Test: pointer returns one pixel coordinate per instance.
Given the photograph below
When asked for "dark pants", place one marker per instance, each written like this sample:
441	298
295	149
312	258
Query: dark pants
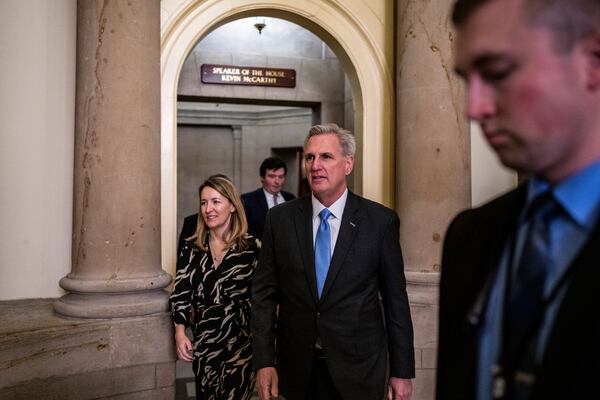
321	385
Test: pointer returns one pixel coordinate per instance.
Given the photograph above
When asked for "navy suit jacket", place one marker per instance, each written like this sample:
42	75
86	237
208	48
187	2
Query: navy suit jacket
189	228
355	334
472	249
256	208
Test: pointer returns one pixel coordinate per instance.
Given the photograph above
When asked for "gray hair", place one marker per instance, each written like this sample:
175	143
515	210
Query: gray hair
345	137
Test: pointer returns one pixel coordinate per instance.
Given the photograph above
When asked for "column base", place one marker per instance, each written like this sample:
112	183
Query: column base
423	287
103	305
423	295
113	298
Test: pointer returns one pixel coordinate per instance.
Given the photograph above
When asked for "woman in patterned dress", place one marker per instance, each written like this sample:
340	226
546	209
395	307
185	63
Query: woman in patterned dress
212	295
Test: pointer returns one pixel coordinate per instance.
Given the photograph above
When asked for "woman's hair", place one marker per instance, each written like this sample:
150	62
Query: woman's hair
238	224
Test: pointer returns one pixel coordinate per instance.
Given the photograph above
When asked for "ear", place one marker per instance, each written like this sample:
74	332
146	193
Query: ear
349	164
592	54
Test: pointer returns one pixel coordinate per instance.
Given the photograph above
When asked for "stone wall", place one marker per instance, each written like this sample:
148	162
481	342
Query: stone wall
319	75
235	138
46	356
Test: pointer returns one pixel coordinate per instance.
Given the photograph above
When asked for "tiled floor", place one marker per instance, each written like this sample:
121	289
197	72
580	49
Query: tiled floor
185	388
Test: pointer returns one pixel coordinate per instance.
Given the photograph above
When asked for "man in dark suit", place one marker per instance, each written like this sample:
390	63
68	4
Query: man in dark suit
326	259
257	203
519	296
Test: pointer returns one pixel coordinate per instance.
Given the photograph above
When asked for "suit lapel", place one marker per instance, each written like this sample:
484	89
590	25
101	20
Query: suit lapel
348	228
303	223
481	261
503	226
262	202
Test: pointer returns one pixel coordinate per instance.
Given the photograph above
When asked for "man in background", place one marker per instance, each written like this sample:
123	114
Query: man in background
256	204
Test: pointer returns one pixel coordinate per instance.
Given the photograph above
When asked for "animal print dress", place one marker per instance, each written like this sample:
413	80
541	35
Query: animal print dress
221	302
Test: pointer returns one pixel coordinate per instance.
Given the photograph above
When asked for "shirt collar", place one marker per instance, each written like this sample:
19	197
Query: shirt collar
337	208
270	195
579	194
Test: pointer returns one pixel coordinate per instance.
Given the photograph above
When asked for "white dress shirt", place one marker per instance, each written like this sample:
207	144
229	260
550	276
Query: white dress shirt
270	201
335	221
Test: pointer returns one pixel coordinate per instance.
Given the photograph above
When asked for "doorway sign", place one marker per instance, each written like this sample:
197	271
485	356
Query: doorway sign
248	76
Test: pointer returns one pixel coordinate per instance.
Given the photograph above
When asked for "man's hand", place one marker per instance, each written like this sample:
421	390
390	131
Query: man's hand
267	383
399	389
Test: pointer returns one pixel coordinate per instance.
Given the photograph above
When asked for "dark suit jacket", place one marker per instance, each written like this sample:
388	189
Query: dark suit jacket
348	318
472	248
189	228
256	207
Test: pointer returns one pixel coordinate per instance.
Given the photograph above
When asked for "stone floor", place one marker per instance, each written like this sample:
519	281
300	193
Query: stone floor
185	388
184	381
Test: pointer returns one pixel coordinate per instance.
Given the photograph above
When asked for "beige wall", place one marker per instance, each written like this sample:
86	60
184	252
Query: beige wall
262	131
234	139
202	151
282	44
37	106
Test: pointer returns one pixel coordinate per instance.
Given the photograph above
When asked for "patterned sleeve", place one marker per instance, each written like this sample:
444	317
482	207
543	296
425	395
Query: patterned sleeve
254	244
257	245
183	291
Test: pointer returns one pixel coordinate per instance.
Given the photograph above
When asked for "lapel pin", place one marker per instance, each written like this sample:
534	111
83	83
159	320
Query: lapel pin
353	225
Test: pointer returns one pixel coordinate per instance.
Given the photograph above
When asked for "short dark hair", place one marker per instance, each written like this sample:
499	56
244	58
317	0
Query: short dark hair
569	20
272	163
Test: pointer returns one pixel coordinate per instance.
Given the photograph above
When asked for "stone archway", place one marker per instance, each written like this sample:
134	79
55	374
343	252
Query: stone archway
357	42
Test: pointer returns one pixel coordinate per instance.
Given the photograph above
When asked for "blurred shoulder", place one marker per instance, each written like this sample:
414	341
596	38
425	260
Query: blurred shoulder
287	195
372	208
190	220
497	207
494	214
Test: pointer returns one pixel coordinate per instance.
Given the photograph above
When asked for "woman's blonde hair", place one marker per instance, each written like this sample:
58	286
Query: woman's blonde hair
238	225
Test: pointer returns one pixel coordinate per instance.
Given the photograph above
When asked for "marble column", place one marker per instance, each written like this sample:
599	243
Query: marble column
116	264
433	162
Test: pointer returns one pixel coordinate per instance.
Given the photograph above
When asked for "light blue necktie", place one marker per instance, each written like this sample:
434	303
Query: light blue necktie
322	250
